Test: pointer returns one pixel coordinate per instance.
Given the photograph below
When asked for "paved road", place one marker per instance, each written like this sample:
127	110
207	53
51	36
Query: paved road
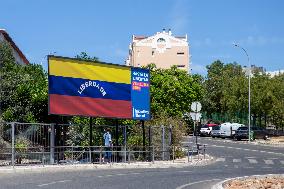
232	159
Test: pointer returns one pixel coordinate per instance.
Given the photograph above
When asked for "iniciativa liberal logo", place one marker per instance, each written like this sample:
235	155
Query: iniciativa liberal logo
94	84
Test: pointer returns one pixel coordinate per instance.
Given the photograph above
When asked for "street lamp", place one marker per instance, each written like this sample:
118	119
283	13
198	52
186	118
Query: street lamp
236	45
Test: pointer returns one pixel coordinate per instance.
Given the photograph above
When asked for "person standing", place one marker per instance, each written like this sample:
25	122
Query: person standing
108	145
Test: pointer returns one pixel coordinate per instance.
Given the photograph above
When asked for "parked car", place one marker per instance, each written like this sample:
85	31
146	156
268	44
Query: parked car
216	132
206	129
225	130
228	130
257	133
235	127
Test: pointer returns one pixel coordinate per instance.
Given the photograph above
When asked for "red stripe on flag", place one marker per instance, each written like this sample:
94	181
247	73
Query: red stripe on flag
85	106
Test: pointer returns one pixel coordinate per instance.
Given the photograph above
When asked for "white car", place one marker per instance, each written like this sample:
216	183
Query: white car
228	130
207	129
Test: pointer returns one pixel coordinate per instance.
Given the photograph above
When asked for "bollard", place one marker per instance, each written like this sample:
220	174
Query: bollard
204	152
42	156
72	154
191	153
198	151
90	155
13	144
100	154
188	154
129	155
173	154
153	155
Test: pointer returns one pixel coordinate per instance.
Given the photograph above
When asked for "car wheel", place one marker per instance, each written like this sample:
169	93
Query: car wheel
213	136
265	137
238	139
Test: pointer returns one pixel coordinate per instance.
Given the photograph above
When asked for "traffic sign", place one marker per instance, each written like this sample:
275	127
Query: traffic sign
196	106
195	116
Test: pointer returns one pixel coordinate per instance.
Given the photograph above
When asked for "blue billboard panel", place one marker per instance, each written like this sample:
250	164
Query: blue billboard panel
140	93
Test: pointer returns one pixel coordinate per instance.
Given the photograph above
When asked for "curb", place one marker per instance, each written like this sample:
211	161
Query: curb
141	165
219	185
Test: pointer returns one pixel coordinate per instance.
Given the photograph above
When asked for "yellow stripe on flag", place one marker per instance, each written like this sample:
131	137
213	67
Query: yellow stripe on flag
89	70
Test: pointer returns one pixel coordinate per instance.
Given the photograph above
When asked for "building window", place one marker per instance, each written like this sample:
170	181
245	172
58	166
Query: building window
180	66
153	52
161	40
180	53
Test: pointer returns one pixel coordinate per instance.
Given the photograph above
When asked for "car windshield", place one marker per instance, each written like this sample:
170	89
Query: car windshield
216	127
205	126
242	128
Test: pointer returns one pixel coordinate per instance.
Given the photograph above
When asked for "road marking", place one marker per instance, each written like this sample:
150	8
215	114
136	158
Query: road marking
268	161
252	160
189	184
238	148
282	162
266	167
185	171
135	173
55	182
237	160
220	159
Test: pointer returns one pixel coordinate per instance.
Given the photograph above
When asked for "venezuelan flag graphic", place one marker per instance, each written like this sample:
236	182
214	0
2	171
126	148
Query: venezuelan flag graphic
89	88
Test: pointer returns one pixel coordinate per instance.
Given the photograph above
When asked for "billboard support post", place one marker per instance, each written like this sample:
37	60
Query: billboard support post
52	140
116	139
144	138
91	137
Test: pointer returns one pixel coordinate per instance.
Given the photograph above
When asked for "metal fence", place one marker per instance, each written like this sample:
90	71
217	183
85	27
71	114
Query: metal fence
42	144
93	154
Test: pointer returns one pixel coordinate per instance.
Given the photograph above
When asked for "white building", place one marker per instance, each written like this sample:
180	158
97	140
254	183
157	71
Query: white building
19	56
275	73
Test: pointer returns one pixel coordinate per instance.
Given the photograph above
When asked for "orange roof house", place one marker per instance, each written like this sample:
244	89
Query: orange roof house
18	54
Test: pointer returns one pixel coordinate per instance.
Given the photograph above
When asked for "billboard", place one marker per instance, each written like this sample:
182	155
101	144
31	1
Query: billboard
87	88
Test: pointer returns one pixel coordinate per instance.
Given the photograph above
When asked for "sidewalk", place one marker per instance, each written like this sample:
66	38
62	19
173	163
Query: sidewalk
178	163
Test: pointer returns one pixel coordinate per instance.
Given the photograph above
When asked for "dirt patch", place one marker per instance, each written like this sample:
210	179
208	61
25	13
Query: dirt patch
267	182
276	141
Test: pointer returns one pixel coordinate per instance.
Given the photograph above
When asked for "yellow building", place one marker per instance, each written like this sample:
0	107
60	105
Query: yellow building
162	49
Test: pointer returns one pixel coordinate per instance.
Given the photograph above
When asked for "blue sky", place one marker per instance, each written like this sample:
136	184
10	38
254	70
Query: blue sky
104	28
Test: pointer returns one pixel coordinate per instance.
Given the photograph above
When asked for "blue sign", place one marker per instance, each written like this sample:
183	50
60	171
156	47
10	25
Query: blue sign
140	93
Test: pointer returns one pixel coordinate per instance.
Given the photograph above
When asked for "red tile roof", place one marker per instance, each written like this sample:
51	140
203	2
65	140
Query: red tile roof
11	42
139	37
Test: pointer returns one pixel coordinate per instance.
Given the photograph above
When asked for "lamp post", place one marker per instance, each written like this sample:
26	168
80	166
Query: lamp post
236	45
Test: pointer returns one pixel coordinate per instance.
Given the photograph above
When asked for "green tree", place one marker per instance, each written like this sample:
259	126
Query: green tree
85	56
172	91
23	89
